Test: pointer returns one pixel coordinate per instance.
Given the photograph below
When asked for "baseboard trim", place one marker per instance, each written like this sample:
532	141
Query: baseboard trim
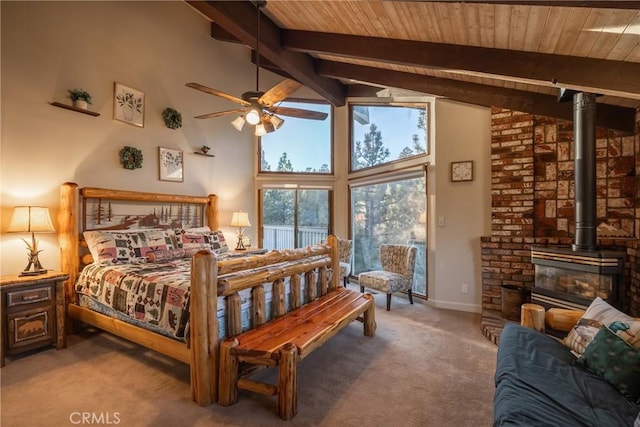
458	306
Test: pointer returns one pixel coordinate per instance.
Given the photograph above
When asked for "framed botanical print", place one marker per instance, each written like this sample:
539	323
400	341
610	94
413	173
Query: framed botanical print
128	105
171	164
462	171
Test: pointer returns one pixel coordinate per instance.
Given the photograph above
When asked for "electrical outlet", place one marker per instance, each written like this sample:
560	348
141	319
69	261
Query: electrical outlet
440	221
465	288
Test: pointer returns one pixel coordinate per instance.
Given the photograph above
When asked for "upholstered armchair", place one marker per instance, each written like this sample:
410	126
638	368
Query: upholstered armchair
398	265
344	252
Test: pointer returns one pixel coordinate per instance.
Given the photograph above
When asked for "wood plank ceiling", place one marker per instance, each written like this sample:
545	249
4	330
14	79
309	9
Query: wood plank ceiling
512	54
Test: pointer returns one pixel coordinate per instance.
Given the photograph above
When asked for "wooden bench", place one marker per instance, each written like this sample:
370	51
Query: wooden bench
284	341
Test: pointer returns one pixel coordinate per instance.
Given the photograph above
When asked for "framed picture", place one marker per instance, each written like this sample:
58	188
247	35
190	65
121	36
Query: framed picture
462	171
128	105
171	164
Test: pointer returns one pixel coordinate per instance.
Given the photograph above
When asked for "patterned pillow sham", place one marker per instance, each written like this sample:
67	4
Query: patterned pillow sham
213	240
599	314
158	257
613	359
166	256
126	247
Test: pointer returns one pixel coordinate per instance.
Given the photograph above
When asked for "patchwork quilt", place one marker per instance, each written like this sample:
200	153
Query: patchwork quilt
158	295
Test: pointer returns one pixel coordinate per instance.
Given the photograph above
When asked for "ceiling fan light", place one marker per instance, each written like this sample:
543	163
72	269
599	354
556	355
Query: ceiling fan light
238	122
260	130
268	125
253	117
277	121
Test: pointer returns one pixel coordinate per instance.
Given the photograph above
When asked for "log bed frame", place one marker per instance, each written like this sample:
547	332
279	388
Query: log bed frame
211	278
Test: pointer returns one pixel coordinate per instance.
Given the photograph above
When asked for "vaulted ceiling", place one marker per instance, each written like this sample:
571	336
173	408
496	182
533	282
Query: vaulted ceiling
512	54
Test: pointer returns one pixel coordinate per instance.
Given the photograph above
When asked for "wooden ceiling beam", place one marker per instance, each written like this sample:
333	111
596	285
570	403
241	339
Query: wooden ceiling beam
616	78
238	19
608	116
598	4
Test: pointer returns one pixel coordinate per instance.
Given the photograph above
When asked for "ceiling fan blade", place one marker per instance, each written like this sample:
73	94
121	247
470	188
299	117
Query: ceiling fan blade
221	113
215	92
279	92
299	113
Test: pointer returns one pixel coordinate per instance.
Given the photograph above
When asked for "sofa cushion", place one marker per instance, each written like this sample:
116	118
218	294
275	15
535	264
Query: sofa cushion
612	358
539	384
598	314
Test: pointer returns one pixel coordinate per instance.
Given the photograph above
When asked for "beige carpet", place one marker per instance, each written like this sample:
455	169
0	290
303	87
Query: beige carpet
425	367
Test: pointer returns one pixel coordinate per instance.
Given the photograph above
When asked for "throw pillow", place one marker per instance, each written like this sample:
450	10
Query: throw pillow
213	240
126	247
612	358
599	314
166	256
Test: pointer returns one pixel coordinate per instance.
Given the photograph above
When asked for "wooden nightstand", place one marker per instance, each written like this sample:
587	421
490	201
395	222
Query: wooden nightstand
33	312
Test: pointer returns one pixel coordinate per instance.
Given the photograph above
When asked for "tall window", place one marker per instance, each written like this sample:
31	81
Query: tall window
294	218
300	145
389	212
385	133
295	214
389	205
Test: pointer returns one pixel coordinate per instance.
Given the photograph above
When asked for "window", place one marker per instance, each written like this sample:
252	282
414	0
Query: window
294	218
300	145
392	211
382	134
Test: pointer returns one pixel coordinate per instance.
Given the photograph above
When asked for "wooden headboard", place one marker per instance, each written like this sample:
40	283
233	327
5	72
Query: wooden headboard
71	218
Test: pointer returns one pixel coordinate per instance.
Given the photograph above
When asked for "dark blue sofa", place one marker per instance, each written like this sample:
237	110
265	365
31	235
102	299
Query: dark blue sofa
537	384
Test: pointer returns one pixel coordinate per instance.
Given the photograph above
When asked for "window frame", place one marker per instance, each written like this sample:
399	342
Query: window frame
296	188
331	143
370	170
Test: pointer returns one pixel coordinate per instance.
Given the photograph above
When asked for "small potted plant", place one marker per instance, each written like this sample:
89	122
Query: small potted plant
80	98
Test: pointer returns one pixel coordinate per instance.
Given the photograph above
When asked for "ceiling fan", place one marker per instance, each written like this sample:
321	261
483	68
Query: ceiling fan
260	108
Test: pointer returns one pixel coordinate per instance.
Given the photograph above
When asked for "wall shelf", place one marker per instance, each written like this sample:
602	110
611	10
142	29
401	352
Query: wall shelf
72	108
203	154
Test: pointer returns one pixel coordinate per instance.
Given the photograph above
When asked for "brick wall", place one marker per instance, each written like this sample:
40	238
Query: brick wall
553	176
532	198
511	173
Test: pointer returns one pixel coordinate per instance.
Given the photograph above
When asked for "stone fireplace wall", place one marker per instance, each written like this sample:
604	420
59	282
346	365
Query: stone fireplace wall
532	199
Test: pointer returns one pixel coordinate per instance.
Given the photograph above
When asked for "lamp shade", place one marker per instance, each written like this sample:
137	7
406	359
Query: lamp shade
260	130
29	219
240	219
238	122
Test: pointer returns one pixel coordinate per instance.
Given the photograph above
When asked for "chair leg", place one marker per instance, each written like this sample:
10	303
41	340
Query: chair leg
362	289
346	281
388	302
410	292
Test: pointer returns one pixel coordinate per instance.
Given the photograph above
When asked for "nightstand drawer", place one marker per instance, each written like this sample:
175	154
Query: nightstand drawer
29	296
31	327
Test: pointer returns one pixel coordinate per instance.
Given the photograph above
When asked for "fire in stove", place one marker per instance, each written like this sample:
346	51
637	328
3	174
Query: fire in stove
567	278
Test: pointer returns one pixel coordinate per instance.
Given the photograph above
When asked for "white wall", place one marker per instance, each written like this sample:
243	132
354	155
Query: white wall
463	132
49	47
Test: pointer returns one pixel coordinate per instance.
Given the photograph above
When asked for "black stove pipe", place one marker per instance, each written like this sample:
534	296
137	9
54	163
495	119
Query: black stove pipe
584	114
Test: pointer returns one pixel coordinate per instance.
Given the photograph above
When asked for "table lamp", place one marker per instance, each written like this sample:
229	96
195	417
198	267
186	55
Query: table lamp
241	220
31	219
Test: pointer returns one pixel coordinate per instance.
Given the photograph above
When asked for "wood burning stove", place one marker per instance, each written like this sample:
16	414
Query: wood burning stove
568	278
573	277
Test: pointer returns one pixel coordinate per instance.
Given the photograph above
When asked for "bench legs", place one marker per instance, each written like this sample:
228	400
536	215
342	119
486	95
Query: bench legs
228	373
287	382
